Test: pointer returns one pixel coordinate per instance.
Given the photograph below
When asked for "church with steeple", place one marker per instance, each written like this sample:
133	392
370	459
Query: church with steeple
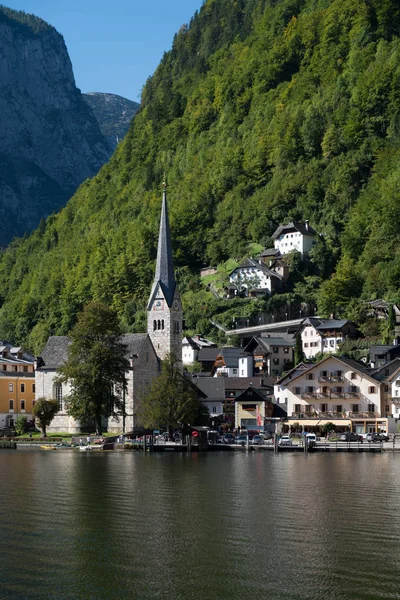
144	350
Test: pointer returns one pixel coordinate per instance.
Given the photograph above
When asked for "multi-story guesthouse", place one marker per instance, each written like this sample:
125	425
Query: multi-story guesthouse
17	384
144	350
335	390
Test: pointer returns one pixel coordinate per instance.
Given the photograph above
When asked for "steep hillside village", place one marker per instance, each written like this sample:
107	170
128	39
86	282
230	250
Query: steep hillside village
292	371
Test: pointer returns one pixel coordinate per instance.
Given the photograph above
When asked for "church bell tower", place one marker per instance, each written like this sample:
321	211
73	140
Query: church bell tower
164	310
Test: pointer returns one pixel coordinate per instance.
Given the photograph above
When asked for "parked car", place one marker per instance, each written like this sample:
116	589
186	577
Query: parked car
350	436
311	439
285	440
258	440
228	438
377	437
241	439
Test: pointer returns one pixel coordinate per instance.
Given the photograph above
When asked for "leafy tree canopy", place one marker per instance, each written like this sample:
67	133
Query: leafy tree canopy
44	411
96	366
172	400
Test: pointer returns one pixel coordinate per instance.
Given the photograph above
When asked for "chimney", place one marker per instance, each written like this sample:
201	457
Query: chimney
331	316
306	224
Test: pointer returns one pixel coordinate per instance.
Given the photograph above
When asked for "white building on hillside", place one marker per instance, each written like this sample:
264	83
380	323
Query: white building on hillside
295	236
253	275
324	335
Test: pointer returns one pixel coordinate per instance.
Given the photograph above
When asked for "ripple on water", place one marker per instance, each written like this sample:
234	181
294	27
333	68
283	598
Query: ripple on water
230	525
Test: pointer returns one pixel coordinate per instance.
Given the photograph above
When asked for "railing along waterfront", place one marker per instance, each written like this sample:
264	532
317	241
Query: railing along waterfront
335	415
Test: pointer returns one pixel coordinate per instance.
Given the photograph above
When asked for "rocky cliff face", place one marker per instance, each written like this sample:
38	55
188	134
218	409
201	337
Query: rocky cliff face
50	140
113	113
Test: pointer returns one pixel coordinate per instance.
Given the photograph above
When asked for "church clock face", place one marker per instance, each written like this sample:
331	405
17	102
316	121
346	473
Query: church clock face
159	305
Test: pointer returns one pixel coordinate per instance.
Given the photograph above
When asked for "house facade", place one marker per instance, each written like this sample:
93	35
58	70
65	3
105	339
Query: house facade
335	390
17	384
191	347
271	355
300	237
324	335
252	275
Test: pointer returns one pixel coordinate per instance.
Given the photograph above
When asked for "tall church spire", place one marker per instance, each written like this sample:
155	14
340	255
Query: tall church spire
164	274
164	310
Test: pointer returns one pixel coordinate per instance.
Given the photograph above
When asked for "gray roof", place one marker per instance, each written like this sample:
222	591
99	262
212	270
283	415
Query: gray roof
294	226
134	342
325	324
164	275
267	342
231	356
213	387
250	263
241	383
207	354
55	352
198	342
270	252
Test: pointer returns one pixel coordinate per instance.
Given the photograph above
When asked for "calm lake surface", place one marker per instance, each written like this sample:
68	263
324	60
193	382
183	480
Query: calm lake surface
209	526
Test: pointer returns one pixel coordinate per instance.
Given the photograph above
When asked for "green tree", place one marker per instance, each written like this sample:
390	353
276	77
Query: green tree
298	350
328	427
194	367
96	366
171	400
44	412
390	326
20	425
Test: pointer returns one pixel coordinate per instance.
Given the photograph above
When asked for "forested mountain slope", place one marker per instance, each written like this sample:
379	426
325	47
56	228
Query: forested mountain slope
262	112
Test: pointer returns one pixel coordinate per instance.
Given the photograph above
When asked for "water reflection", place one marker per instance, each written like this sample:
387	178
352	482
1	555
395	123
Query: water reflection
100	526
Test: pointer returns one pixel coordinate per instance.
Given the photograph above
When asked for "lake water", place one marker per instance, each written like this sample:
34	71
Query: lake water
81	526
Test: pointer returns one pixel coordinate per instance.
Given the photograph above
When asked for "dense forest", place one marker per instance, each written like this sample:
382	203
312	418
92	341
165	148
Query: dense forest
263	111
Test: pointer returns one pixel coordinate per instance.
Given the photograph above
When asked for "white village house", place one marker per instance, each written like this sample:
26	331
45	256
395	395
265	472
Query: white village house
254	275
295	236
324	335
191	347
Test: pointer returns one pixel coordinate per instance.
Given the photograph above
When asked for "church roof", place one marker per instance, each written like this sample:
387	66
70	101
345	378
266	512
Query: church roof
55	352
164	275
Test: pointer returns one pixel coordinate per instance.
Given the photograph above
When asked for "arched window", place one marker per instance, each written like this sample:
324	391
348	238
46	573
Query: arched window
158	324
162	324
57	390
154	325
